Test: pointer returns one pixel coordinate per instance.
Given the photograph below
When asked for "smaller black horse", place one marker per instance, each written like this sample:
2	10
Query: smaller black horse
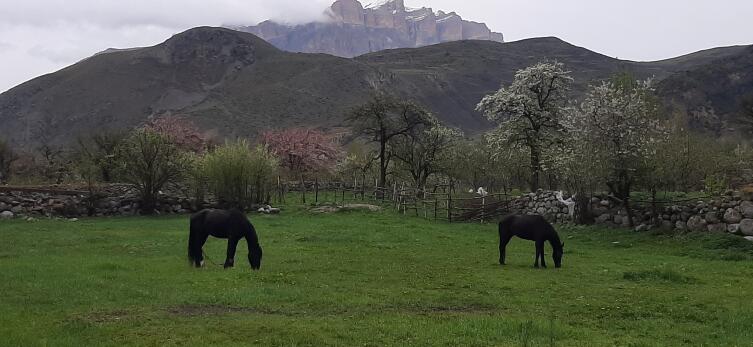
225	224
533	228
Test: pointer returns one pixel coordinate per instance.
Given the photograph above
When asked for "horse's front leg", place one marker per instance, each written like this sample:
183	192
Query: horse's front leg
232	243
539	253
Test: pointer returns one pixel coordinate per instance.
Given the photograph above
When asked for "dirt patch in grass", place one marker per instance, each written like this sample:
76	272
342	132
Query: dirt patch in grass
215	310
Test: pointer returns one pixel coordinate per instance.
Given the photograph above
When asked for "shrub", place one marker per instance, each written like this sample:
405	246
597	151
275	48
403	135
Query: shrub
91	173
239	175
7	157
149	161
99	150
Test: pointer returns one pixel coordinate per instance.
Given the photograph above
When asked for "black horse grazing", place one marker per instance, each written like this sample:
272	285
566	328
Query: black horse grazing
225	224
534	228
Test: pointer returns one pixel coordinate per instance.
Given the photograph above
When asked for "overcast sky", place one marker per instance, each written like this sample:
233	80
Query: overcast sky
42	36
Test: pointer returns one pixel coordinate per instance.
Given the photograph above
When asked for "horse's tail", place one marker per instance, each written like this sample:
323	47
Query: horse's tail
504	225
194	238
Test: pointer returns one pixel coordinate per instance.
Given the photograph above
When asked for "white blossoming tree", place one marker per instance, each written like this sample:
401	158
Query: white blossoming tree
618	119
529	111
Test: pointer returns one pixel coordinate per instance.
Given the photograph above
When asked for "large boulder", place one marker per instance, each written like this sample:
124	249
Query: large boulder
604	218
362	207
712	218
681	226
618	219
733	228
696	223
6	215
746	227
746	207
732	216
717	228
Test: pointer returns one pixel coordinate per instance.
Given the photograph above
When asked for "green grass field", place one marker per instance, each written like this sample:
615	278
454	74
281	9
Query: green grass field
359	279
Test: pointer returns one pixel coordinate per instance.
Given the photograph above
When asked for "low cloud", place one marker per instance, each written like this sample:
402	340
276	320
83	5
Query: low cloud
41	36
167	13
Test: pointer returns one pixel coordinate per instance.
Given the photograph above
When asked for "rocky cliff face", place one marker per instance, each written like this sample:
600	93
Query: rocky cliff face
353	29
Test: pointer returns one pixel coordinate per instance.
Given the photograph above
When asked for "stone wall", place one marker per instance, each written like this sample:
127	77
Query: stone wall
732	213
114	200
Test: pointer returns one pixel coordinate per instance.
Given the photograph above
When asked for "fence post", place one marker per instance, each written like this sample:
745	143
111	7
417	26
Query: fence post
483	208
436	203
303	190
415	202
316	190
423	203
449	207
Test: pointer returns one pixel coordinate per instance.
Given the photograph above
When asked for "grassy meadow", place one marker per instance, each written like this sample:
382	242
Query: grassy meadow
358	279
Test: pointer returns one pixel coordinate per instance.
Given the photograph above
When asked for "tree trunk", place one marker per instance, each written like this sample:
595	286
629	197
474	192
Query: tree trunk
535	169
629	212
303	190
656	219
583	209
382	165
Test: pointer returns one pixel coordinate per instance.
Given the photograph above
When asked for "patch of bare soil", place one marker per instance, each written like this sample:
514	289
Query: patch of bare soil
214	310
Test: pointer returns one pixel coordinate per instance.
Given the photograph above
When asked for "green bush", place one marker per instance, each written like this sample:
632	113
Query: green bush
239	175
149	161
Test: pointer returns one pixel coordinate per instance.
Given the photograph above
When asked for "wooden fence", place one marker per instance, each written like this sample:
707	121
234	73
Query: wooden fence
442	202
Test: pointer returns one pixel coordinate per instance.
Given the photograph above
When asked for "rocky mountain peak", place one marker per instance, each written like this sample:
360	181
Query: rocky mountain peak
354	29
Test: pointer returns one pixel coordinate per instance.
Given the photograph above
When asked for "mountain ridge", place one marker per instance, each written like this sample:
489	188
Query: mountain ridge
236	84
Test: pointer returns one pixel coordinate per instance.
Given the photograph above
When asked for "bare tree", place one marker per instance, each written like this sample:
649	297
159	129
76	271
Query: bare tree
99	150
425	151
383	119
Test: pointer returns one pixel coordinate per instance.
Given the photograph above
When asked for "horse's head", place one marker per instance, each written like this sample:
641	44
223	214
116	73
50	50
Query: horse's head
557	255
254	257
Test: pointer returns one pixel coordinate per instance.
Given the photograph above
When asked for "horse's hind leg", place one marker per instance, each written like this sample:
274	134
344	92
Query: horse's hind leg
503	241
232	243
198	247
540	254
